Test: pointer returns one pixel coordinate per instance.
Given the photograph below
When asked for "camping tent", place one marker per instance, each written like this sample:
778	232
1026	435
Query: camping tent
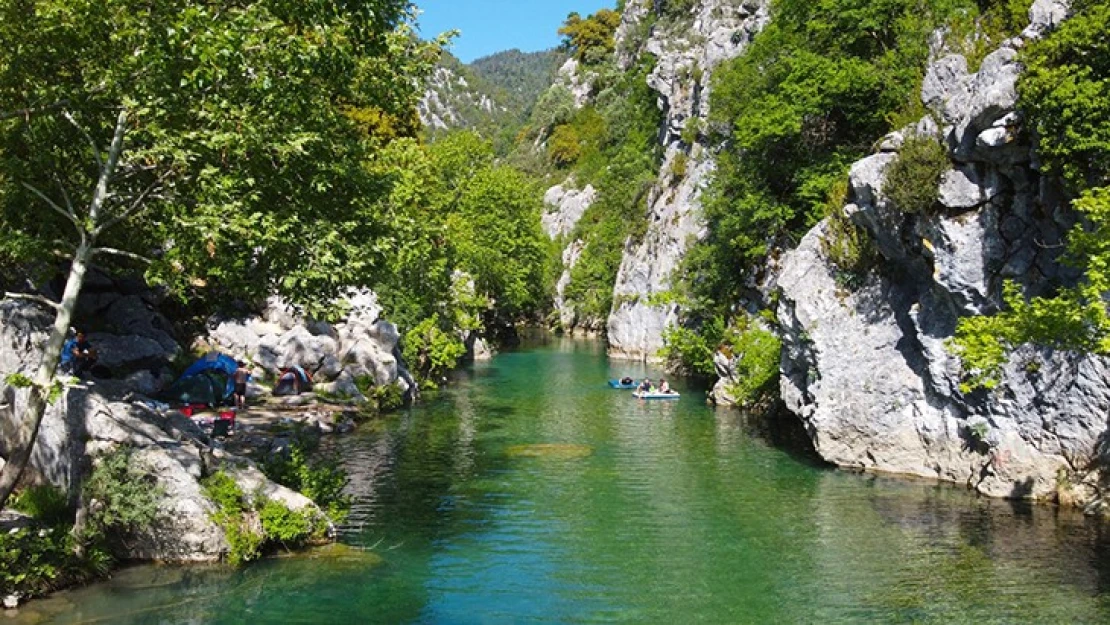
208	381
293	381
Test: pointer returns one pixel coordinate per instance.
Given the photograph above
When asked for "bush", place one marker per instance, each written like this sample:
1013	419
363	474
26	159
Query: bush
37	560
912	181
244	542
127	495
388	398
430	351
848	246
252	527
758	354
691	352
679	167
320	478
47	504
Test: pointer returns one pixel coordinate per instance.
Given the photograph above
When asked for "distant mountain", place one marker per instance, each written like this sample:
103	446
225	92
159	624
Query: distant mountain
492	96
523	76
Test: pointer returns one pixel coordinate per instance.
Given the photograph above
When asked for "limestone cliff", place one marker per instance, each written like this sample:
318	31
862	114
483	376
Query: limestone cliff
687	51
868	371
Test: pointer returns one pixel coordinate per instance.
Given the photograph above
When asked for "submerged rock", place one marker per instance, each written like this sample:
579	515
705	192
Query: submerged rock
550	451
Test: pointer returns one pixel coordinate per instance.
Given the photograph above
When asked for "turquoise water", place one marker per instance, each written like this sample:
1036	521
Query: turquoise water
633	512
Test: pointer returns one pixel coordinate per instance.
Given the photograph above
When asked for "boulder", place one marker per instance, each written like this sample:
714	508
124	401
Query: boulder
129	353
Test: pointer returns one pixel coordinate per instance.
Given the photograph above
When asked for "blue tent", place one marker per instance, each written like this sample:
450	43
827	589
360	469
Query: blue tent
217	363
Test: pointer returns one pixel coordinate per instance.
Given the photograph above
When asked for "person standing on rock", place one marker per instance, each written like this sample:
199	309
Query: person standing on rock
241	377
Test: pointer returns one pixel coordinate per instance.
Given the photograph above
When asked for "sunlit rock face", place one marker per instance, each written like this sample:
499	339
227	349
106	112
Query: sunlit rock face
89	420
687	52
868	370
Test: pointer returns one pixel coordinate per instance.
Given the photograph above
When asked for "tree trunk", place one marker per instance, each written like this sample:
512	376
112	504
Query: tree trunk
28	429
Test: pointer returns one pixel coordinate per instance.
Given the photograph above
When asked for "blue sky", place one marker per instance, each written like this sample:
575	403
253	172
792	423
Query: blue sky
490	26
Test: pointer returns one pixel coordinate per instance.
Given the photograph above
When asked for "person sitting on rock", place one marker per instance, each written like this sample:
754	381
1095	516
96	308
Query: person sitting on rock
84	355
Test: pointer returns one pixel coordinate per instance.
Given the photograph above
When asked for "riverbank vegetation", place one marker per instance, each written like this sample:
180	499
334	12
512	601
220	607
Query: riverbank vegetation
56	547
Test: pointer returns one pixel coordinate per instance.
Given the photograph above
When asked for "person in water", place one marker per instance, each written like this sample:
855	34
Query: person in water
645	386
664	388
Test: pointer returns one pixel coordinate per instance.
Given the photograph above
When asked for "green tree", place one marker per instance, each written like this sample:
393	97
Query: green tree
222	137
590	40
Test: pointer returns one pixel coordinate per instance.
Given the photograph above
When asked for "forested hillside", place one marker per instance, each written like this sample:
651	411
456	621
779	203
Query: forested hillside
491	96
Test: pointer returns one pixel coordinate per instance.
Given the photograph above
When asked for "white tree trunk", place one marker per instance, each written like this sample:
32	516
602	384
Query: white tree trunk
43	382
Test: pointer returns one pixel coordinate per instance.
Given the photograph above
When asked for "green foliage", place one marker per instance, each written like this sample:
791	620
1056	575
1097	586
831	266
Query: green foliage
755	354
912	180
122	500
500	91
563	148
690	351
253	526
430	350
252	117
244	542
46	504
318	477
127	495
590	40
623	164
1074	319
849	246
18	380
291	528
1064	93
37	560
388	398
679	166
756	367
461	214
809	96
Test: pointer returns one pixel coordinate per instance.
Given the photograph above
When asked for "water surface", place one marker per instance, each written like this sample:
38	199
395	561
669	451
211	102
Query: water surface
531	493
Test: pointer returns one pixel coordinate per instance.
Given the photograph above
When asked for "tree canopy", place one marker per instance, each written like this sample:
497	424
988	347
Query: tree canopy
590	40
250	122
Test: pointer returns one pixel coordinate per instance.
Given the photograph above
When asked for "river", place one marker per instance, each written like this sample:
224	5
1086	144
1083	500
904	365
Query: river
531	493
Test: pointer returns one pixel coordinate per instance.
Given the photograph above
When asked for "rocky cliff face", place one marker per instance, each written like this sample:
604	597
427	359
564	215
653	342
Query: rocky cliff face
451	102
564	207
687	52
868	371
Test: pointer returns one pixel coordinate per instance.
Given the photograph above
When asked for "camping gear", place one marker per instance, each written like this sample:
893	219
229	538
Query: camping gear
639	395
207	382
617	384
293	381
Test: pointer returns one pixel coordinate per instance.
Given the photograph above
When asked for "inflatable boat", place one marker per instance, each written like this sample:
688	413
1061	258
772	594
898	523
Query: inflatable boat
639	395
620	385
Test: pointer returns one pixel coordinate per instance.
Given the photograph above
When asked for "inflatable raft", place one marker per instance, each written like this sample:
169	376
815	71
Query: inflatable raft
619	385
639	395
